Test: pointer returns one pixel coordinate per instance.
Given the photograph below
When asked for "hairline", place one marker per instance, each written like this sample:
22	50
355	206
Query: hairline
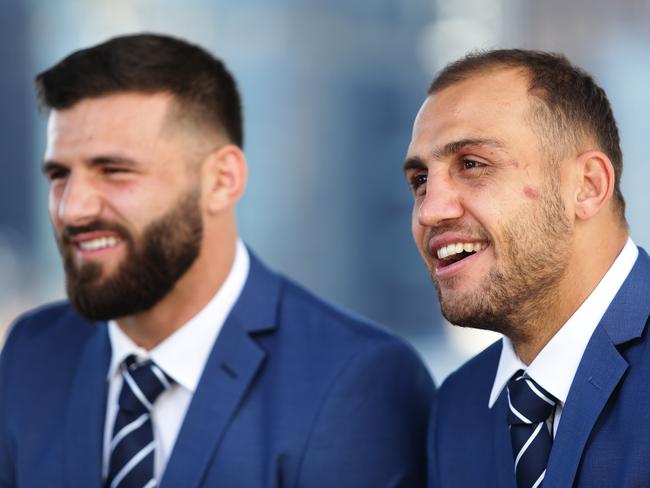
548	127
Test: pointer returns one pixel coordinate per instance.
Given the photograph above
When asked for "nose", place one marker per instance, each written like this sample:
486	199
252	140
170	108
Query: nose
441	203
80	201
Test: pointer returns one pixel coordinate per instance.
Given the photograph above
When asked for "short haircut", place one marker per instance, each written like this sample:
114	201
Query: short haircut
572	106
148	63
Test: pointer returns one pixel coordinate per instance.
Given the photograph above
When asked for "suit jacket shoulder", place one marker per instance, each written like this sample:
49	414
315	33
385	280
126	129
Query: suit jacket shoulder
348	393
46	323
39	365
474	378
601	438
305	315
295	393
461	430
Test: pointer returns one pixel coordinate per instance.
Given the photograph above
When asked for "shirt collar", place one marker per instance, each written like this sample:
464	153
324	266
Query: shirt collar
183	354
557	363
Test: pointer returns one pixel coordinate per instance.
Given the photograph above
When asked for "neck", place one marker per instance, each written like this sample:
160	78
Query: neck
188	297
585	269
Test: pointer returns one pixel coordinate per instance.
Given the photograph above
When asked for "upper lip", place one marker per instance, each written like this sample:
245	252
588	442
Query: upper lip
447	238
88	236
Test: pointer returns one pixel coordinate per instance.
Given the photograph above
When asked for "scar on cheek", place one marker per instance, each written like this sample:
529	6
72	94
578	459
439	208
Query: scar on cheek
531	193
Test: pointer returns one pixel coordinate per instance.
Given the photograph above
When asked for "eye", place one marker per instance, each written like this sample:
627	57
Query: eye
418	182
110	170
56	174
469	164
471	169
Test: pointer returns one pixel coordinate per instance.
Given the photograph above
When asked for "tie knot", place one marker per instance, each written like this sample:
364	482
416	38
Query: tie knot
529	403
143	383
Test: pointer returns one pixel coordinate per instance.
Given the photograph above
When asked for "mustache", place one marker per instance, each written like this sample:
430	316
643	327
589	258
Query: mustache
70	231
461	228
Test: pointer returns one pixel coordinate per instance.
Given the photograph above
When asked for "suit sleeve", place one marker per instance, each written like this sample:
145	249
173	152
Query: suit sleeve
371	430
7	471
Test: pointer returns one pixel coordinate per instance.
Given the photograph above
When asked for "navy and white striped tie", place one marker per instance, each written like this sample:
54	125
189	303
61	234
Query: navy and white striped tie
530	406
132	446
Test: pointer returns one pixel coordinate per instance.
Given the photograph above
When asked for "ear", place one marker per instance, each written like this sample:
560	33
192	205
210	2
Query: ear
224	176
595	187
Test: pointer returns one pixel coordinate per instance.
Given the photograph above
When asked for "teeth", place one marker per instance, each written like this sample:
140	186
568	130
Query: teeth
457	248
99	243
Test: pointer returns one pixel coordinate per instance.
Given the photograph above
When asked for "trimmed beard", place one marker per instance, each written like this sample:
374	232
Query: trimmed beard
153	264
534	253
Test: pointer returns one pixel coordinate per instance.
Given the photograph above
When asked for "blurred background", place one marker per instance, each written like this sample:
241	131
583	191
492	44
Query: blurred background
330	90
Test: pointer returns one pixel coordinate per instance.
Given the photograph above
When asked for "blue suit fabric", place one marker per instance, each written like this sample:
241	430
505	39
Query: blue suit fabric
603	438
295	393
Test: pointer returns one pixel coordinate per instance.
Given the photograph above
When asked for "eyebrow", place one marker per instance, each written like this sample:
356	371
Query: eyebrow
450	149
96	161
456	146
414	163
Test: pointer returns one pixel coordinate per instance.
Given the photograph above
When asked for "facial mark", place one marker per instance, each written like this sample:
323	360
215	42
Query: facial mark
531	192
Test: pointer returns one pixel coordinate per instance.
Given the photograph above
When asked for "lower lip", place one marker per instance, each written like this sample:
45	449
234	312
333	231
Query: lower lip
446	272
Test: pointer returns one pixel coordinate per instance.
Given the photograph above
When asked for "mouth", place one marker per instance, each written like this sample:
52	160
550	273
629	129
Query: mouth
455	252
95	243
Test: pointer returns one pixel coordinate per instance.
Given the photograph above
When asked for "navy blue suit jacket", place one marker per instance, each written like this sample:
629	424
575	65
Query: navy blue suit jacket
294	394
603	438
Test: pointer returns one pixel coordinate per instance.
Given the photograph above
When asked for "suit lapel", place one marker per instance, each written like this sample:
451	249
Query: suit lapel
84	423
503	444
229	371
228	375
601	369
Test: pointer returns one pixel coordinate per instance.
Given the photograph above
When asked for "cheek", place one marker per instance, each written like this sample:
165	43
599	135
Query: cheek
53	203
415	225
417	230
131	202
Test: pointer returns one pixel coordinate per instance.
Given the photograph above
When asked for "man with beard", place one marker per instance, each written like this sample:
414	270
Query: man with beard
515	168
181	361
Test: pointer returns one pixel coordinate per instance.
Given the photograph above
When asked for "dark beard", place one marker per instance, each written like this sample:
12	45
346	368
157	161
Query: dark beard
534	252
151	268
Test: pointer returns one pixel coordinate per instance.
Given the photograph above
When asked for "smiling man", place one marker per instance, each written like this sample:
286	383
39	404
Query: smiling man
180	360
515	169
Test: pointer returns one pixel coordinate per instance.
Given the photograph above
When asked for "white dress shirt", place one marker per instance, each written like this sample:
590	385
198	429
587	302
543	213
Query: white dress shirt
182	356
556	364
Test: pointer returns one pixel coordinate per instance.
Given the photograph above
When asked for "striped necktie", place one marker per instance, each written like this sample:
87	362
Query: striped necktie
530	406
132	445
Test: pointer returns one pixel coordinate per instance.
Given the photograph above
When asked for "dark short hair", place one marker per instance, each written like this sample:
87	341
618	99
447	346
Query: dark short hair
148	63
573	107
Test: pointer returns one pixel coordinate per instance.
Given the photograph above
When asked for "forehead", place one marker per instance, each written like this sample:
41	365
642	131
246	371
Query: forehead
493	105
126	120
